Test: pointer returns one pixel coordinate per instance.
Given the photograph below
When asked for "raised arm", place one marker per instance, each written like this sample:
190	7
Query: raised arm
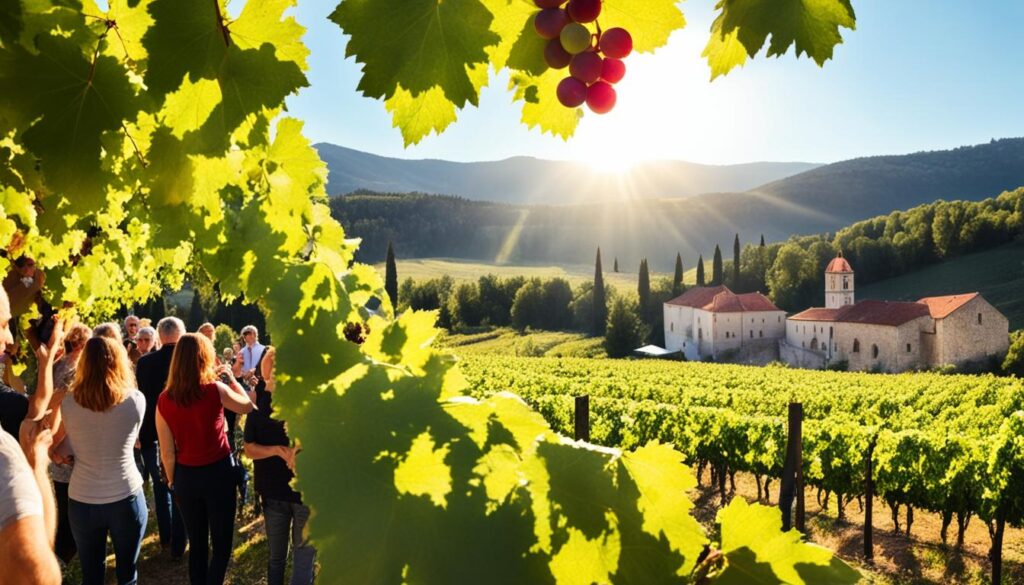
232	396
46	356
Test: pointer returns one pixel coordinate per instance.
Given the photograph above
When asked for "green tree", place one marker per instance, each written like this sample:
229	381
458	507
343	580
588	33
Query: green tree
791	277
625	331
196	315
736	261
677	278
391	276
700	270
643	289
528	306
598	301
464	306
716	268
223	337
497	296
1014	361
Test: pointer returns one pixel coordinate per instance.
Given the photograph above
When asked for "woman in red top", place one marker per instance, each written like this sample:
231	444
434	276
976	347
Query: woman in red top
196	455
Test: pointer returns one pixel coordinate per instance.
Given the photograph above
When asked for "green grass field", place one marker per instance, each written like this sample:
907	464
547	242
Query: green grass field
463	270
510	342
998	274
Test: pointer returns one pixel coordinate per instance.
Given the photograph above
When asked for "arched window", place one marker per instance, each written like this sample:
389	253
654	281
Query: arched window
751	333
846	283
814	343
874	351
979	318
759	333
908	348
700	333
856	346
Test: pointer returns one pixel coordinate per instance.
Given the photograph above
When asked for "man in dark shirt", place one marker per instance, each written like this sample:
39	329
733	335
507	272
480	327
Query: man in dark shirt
151	374
13	408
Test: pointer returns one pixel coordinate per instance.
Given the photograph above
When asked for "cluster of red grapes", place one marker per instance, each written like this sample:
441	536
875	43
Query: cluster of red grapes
594	60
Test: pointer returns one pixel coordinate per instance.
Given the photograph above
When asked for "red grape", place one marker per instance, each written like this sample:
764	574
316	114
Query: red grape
586	67
548	3
600	97
572	92
555	56
613	70
550	22
584	10
616	43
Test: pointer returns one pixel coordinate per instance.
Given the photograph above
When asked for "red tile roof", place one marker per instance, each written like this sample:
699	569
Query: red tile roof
941	307
698	297
838	264
719	299
892	313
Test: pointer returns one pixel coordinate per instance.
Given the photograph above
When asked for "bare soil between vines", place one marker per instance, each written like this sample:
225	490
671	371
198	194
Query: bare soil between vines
919	559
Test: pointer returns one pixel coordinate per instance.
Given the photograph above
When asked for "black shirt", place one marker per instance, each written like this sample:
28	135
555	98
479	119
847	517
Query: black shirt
13	409
272	473
151	374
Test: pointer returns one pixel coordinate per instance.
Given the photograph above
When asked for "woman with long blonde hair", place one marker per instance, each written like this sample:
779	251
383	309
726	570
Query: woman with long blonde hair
102	420
195	452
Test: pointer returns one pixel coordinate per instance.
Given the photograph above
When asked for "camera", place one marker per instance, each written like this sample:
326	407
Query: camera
226	379
45	323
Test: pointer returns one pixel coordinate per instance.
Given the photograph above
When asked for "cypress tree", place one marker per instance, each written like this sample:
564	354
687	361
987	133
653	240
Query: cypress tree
615	267
643	289
677	279
736	261
600	303
391	277
716	267
762	240
700	270
196	316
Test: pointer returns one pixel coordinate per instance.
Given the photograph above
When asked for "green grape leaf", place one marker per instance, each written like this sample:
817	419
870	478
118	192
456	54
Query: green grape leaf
513	20
253	74
758	551
132	20
11	21
812	26
417	44
649	22
541	107
527	53
71	102
663	481
418	116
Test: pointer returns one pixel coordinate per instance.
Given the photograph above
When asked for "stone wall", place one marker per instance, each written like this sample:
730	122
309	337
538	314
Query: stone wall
963	337
800	357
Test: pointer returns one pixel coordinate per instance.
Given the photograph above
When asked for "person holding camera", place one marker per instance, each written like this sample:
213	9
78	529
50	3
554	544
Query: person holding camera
195	453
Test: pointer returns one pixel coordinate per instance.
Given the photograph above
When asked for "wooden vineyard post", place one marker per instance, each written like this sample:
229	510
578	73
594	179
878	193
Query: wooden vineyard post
582	418
869	496
792	484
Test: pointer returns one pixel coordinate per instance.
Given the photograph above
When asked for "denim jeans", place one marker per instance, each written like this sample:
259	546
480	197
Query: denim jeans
281	519
168	518
207	496
64	546
125	521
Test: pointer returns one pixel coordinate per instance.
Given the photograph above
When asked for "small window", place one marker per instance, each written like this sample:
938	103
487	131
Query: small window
751	333
874	351
908	348
780	319
672	327
979	318
814	343
760	333
856	346
700	333
830	332
846	283
802	344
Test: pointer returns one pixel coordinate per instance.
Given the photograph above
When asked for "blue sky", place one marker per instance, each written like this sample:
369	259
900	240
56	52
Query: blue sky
915	75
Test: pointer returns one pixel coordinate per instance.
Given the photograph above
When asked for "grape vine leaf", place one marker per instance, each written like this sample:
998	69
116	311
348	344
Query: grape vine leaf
417	116
513	19
417	44
812	26
10	21
58	89
757	551
540	103
649	22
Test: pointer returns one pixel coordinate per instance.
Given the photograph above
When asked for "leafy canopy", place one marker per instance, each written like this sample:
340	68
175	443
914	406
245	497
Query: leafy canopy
428	58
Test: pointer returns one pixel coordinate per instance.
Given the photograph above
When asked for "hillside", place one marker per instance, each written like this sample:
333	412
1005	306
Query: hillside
532	180
997	274
816	201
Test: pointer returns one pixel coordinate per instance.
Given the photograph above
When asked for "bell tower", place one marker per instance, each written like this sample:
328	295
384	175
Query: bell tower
838	283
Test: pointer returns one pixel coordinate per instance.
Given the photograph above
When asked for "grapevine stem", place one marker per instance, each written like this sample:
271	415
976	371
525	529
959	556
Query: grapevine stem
224	32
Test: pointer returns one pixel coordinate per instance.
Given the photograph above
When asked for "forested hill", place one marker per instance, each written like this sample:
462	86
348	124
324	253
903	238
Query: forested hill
864	187
532	180
431	226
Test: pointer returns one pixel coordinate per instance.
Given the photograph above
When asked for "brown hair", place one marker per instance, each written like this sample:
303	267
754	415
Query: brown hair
104	376
76	337
192	365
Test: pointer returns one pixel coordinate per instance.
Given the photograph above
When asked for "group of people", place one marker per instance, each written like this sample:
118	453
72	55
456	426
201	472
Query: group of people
113	410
